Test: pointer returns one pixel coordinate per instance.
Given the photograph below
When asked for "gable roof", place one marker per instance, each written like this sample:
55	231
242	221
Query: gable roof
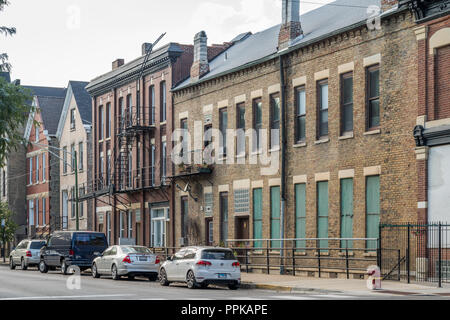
252	49
77	90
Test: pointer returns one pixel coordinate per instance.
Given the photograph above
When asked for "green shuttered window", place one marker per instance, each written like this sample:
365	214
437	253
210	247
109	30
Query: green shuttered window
257	217
275	216
300	214
322	213
347	212
372	210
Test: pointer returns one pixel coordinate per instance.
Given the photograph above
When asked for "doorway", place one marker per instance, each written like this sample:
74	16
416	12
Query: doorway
242	228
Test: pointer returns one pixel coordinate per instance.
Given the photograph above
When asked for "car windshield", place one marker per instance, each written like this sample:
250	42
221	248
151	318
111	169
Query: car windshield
37	245
92	240
218	255
136	250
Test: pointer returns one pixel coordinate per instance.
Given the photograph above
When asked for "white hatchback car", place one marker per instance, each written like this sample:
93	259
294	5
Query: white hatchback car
202	266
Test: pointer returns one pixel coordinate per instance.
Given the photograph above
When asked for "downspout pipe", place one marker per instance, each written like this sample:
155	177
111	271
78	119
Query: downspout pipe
283	162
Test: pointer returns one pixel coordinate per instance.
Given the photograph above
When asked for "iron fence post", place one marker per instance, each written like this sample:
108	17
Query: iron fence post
408	257
346	260
440	255
318	257
399	265
268	259
293	258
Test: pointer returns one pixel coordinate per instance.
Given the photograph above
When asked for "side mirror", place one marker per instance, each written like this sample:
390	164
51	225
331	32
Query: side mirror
170	258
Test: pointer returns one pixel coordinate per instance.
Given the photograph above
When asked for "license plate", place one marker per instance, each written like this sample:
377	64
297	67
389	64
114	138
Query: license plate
222	275
142	259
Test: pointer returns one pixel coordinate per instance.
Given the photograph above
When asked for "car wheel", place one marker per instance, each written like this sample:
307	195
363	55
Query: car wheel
12	266
163	278
191	282
43	267
233	286
23	264
95	273
115	273
64	267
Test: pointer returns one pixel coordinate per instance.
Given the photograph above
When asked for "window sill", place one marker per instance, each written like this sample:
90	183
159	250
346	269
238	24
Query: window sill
277	149
300	254
347	136
323	254
370	254
350	254
240	156
322	141
256	153
300	145
163	123
372	132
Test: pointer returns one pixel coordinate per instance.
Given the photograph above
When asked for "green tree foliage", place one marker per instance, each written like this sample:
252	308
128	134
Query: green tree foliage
7	233
7	31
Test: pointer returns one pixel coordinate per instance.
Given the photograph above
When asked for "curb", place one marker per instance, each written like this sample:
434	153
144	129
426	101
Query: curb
248	285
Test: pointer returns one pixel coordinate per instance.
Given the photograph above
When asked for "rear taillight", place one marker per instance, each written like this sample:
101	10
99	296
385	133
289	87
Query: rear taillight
29	254
157	260
127	259
71	252
236	264
204	263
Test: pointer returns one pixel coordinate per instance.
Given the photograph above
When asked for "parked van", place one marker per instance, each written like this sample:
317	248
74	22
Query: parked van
71	248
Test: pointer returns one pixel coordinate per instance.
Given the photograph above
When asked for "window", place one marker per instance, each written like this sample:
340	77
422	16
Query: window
31	171
73	202
64	160
122	114
108	168
322	99
100	125
130	224
184	155
223	216
347	212
80	156
72	157
158	228
72	119
257	217
300	115
240	126
163	102
36	134
102	165
129	114
108	120
152	104
257	123
130	168
44	167
153	164
322	213
346	103
275	215
31	212
164	162
37	169
300	215
274	121
372	210
44	211
81	193
184	217
37	212
241	201
373	97
223	126
122	224
108	227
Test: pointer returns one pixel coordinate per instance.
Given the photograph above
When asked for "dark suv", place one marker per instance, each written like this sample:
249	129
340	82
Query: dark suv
71	248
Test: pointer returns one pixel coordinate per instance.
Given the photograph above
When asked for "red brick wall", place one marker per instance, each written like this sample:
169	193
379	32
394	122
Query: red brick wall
443	82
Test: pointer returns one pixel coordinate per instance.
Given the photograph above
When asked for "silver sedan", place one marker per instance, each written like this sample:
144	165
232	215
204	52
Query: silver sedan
131	261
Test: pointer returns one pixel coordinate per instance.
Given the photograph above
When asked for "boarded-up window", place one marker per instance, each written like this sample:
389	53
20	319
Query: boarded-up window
275	216
300	214
347	212
322	213
257	217
372	210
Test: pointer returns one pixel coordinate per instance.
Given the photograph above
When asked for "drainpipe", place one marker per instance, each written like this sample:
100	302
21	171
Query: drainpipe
283	162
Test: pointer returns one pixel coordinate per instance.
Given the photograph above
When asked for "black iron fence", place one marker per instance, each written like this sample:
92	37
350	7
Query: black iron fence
415	252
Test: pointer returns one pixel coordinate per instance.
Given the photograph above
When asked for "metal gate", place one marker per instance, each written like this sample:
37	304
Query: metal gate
415	252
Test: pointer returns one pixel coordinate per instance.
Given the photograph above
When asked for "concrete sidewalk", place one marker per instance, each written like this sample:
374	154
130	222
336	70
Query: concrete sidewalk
334	286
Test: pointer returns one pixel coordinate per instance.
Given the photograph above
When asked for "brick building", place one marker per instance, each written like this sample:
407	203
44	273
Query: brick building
74	135
343	93
132	116
42	166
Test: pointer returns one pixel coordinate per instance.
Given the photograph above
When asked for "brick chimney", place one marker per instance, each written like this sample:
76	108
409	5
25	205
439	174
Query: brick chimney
118	63
145	47
200	66
388	4
291	27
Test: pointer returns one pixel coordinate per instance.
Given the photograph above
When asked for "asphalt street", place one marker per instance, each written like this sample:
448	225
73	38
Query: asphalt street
32	285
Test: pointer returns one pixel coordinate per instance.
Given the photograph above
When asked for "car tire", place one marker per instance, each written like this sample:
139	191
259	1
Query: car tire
163	278
95	273
190	280
233	286
43	268
12	265
153	278
23	265
64	267
115	273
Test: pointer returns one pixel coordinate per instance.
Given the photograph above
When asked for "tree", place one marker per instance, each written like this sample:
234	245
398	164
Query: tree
8	231
7	31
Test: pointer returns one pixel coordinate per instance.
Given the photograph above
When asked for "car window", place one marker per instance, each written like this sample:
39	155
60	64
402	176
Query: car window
22	245
179	255
60	239
218	255
190	254
89	239
107	252
135	250
113	251
37	245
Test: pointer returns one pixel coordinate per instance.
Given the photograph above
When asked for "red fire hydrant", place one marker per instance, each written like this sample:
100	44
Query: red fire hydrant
374	281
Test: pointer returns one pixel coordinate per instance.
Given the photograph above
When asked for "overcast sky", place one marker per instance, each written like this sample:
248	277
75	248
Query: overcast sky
62	40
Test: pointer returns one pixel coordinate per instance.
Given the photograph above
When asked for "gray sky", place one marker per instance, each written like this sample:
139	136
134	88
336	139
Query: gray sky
62	40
